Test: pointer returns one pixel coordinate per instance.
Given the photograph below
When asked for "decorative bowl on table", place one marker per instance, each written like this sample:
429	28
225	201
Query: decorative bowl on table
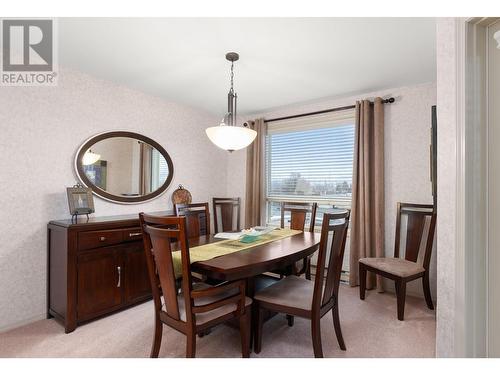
254	234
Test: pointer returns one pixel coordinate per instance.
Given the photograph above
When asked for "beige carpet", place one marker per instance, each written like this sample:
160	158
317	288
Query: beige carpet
370	329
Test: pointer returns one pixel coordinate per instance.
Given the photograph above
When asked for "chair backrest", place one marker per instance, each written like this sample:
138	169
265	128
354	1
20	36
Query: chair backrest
332	246
197	218
298	215
229	209
159	233
417	216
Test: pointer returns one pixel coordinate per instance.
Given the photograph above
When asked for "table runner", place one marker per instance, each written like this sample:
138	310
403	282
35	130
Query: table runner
219	248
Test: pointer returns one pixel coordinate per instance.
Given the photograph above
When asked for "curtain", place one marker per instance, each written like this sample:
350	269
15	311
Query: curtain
145	166
367	215
255	176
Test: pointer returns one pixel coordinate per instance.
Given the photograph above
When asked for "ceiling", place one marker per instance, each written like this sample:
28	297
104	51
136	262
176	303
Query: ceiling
282	60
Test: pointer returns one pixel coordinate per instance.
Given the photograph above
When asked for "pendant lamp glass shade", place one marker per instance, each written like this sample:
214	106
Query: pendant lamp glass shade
90	157
228	135
231	138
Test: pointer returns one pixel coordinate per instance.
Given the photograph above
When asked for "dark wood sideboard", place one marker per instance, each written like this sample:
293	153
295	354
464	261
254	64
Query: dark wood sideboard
95	267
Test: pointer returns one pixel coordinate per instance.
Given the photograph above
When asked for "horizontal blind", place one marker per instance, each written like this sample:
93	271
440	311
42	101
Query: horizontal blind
310	159
159	170
324	120
313	164
163	170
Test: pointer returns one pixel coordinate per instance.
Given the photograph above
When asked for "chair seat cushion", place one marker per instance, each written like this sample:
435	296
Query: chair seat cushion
394	266
292	291
205	317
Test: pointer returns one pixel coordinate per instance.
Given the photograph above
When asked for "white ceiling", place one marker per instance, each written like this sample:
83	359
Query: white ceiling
282	60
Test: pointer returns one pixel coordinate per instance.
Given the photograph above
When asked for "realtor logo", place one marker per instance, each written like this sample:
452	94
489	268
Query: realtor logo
28	53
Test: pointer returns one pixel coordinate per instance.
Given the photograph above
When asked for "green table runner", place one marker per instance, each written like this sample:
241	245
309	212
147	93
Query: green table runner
219	248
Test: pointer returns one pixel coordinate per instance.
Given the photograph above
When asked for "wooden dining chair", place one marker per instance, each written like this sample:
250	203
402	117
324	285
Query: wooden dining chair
310	299
197	218
299	212
230	209
411	267
199	307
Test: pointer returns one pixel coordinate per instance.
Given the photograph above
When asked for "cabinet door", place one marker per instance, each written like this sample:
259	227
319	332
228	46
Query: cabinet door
100	281
136	279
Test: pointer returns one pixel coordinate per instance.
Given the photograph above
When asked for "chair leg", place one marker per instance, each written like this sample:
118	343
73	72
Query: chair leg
245	334
316	337
336	325
259	321
427	291
290	320
191	345
362	281
204	333
401	296
155	348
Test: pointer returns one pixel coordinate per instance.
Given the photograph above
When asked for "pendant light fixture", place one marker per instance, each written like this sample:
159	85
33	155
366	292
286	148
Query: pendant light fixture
90	157
496	36
228	135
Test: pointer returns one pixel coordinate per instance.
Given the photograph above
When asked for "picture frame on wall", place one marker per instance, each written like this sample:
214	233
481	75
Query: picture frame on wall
80	200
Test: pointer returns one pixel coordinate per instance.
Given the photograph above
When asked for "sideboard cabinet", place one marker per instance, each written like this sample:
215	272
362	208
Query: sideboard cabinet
95	267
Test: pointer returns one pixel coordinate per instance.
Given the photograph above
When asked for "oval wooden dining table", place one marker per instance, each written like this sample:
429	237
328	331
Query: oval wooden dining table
250	263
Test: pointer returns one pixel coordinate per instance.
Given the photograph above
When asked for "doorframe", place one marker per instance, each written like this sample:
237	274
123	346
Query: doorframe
471	335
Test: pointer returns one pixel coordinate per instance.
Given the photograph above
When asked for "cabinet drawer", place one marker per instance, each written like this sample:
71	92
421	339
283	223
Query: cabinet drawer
132	234
99	238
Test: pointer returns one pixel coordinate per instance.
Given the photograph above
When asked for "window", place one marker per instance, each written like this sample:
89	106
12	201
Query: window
159	169
310	159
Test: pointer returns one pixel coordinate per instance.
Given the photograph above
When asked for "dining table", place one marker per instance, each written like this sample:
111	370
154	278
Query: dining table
251	263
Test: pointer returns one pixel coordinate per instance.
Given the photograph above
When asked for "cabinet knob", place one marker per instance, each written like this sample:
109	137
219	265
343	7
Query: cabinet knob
102	238
134	234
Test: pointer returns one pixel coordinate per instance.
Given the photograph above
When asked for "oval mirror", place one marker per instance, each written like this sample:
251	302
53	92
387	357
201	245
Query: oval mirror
124	167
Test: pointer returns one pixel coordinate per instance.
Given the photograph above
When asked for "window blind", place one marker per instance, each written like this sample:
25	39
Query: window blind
159	170
308	162
325	120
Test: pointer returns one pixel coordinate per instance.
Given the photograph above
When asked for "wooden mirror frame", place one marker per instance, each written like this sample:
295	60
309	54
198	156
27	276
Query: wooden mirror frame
116	198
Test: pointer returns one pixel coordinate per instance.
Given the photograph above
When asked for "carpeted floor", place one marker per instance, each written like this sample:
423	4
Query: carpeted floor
370	329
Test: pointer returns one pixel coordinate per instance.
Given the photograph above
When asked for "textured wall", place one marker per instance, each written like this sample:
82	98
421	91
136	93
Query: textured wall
447	311
407	140
41	129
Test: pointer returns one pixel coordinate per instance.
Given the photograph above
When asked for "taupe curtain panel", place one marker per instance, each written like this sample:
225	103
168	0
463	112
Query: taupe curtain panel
145	168
255	178
367	215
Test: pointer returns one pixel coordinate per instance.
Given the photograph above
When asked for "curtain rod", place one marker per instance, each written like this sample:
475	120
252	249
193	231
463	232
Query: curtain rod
385	101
